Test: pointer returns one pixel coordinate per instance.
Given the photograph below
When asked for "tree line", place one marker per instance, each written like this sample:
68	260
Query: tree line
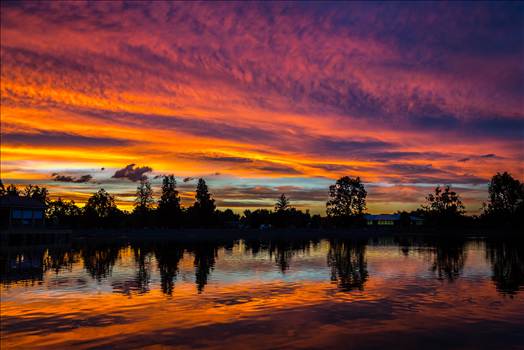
345	207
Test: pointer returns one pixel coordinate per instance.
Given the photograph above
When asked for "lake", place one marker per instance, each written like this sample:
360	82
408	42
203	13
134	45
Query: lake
406	293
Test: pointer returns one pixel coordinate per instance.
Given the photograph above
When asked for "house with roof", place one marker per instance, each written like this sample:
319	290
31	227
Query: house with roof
20	211
391	220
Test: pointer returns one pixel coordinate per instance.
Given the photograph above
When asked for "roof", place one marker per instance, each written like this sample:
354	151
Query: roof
11	201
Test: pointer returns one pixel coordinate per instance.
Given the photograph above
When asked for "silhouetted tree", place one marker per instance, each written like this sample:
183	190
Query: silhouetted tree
11	190
203	209
60	212
101	210
227	218
143	203
36	192
506	200
443	207
506	194
169	204
144	196
347	199
282	203
101	203
256	218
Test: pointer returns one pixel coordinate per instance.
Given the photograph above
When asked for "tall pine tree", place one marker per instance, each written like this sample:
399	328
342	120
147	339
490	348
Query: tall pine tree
169	210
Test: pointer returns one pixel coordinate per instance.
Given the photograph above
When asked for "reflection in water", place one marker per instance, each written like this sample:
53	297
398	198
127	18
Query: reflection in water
284	250
348	264
507	259
59	258
449	258
100	259
74	296
345	258
143	268
22	265
168	257
205	258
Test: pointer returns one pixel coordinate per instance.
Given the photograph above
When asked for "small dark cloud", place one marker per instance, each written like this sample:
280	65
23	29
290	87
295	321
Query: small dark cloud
187	179
464	160
489	155
132	173
67	178
277	168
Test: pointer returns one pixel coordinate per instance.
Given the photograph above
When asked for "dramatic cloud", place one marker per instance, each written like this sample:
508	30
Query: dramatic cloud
67	178
132	173
264	93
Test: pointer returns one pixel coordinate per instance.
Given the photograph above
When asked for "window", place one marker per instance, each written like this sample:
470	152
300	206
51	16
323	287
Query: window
17	214
37	214
386	222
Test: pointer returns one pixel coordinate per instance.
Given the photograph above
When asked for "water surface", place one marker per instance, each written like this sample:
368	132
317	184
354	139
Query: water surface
265	294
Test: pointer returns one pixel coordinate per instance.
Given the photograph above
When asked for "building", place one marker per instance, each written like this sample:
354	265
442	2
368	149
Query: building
19	211
392	220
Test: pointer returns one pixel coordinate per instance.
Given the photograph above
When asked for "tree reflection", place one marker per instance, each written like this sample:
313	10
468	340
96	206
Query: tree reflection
449	257
143	272
22	265
507	264
168	258
205	259
284	250
348	264
30	263
58	258
99	260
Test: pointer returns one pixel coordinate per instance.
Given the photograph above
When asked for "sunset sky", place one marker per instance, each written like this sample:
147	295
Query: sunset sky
263	98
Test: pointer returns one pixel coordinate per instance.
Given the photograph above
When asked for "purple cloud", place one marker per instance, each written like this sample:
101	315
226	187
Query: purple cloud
132	173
